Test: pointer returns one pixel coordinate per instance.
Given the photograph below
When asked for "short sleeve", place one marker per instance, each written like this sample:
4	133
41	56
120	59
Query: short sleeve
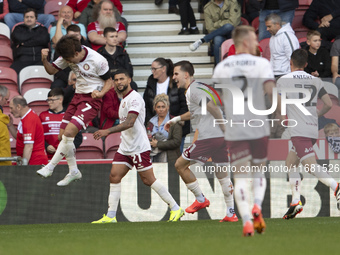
335	50
102	66
29	131
135	105
91	28
60	63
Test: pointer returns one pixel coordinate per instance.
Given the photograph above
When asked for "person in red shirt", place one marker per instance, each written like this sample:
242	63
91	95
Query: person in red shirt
79	5
51	121
105	18
30	133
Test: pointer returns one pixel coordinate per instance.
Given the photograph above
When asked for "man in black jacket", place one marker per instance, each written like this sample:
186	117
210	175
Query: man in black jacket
27	41
116	56
328	12
17	8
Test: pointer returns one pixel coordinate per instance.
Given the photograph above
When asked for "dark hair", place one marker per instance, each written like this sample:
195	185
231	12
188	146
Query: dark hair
169	66
73	28
19	100
97	8
67	46
55	92
122	71
299	58
31	10
186	66
109	30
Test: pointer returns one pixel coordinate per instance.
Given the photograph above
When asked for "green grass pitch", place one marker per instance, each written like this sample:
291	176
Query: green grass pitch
299	236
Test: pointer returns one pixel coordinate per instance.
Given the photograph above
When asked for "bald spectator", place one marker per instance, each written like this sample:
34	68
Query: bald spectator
28	39
5	148
105	17
64	20
30	144
18	7
78	6
282	44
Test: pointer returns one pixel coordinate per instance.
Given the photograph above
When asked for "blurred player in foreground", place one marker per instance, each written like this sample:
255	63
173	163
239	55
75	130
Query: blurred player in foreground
93	81
305	133
247	144
209	144
134	150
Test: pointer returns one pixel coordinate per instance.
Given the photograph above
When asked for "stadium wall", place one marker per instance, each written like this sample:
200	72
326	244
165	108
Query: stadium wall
26	198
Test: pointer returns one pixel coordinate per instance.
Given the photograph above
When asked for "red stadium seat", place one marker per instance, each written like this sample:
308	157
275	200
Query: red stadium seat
9	78
90	148
303	39
298	27
111	145
34	77
5	35
53	7
244	21
264	44
304	4
225	48
255	24
36	99
6	56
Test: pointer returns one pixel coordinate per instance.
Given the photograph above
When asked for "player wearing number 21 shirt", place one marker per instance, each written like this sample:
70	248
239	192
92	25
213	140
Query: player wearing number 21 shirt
305	133
93	81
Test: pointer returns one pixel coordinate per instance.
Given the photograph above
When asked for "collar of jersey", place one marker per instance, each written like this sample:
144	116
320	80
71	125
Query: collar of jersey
86	52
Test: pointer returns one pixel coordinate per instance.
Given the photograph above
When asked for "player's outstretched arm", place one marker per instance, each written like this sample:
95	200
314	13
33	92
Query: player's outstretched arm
50	69
327	105
128	123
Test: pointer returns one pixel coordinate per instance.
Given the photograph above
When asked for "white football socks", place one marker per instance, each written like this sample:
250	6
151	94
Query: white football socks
114	196
323	176
227	189
295	185
241	198
259	188
64	147
71	160
194	187
165	195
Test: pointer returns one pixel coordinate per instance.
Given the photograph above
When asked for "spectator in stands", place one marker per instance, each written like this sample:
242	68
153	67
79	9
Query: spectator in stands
5	148
252	10
51	120
165	145
284	8
319	60
86	16
78	6
115	55
59	28
105	17
187	17
282	44
3	9
30	134
221	17
27	41
109	110
332	133
335	53
328	12
18	7
64	79
172	5
160	81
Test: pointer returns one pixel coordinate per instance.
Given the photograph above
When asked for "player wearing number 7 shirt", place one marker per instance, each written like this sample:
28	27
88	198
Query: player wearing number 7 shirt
93	81
305	133
247	143
134	150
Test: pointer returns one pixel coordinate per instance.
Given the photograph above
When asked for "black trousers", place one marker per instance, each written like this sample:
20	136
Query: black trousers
186	13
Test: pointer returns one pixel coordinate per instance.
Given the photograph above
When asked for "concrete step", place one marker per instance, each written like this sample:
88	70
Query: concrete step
143	5
134	49
156	27
156	17
162	39
194	60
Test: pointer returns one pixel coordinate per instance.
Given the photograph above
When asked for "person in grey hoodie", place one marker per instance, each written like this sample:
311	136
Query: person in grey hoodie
282	44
